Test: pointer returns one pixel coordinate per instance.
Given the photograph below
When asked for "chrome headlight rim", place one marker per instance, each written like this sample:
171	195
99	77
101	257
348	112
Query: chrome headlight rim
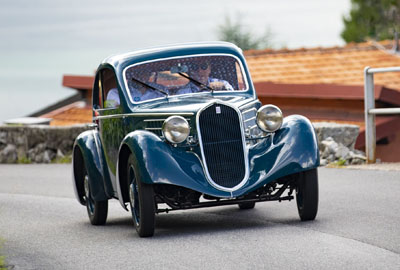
175	129
269	118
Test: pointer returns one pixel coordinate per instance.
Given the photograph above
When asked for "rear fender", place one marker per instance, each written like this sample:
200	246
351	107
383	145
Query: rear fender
87	151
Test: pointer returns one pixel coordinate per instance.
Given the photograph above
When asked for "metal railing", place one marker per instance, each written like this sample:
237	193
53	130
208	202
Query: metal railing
371	111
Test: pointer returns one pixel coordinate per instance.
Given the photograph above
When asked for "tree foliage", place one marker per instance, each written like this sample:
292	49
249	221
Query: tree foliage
377	19
236	33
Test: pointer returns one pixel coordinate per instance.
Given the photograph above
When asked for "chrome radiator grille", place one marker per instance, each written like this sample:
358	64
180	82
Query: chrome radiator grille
221	139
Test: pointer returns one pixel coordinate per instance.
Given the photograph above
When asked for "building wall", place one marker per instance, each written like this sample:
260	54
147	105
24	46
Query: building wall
389	151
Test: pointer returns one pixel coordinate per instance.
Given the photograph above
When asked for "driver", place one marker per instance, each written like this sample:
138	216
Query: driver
200	72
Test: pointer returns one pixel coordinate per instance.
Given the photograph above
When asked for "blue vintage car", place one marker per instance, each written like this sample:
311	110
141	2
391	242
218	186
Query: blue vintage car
180	127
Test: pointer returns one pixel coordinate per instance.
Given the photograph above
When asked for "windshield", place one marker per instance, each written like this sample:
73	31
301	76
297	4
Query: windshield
186	75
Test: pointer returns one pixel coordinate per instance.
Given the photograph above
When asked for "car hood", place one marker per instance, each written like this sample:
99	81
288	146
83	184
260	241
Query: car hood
189	104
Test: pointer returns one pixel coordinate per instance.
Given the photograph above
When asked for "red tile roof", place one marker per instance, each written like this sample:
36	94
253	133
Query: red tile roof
75	113
336	65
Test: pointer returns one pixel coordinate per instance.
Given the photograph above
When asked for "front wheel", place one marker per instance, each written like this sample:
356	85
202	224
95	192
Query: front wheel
307	194
97	210
142	203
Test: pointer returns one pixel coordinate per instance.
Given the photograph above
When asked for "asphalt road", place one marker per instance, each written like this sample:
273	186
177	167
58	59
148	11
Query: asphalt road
357	227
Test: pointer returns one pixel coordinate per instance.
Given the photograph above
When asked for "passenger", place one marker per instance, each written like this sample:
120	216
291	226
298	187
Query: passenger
112	99
138	91
200	72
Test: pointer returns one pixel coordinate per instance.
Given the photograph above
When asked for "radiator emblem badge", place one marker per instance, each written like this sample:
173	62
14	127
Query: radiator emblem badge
218	110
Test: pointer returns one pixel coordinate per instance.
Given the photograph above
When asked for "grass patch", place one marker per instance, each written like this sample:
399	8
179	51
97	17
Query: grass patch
63	160
341	163
24	160
3	265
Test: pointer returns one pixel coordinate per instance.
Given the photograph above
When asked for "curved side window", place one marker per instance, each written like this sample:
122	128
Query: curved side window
109	89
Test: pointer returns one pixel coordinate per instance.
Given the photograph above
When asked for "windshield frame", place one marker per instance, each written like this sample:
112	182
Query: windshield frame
244	75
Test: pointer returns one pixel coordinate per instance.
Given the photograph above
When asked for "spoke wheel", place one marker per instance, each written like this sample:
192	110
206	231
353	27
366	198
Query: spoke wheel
142	203
97	210
307	194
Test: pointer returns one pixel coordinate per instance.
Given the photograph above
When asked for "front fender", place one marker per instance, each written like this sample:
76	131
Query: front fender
291	149
92	156
158	162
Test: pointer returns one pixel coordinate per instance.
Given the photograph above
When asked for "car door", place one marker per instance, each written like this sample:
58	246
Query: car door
110	120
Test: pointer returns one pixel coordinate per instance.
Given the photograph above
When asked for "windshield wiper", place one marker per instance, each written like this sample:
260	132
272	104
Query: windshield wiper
196	82
149	86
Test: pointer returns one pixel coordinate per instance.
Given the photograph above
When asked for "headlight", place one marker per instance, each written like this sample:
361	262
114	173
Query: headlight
175	129
269	118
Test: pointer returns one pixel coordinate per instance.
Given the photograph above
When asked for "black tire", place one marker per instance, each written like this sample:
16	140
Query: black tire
247	205
307	194
141	197
97	210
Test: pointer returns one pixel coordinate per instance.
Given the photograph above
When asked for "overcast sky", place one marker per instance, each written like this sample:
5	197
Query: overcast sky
71	24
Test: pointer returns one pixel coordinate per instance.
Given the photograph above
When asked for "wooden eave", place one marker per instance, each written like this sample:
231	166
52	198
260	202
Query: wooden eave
78	82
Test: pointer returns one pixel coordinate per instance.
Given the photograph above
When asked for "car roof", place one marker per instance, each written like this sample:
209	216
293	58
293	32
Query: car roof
120	61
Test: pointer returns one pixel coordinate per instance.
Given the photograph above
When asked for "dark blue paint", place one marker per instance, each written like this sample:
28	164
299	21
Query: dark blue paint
292	149
95	163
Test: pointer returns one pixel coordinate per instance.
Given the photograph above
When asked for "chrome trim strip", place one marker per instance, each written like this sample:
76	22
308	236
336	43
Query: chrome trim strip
249	104
153	128
245	150
159	120
247	120
242	65
154	120
107	117
139	115
252	127
235	98
249	110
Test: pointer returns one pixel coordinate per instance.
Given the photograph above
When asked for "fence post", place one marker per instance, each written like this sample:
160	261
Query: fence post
369	103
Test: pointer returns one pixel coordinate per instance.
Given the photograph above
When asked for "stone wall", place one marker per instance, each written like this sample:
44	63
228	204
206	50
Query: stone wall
37	144
43	144
336	143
